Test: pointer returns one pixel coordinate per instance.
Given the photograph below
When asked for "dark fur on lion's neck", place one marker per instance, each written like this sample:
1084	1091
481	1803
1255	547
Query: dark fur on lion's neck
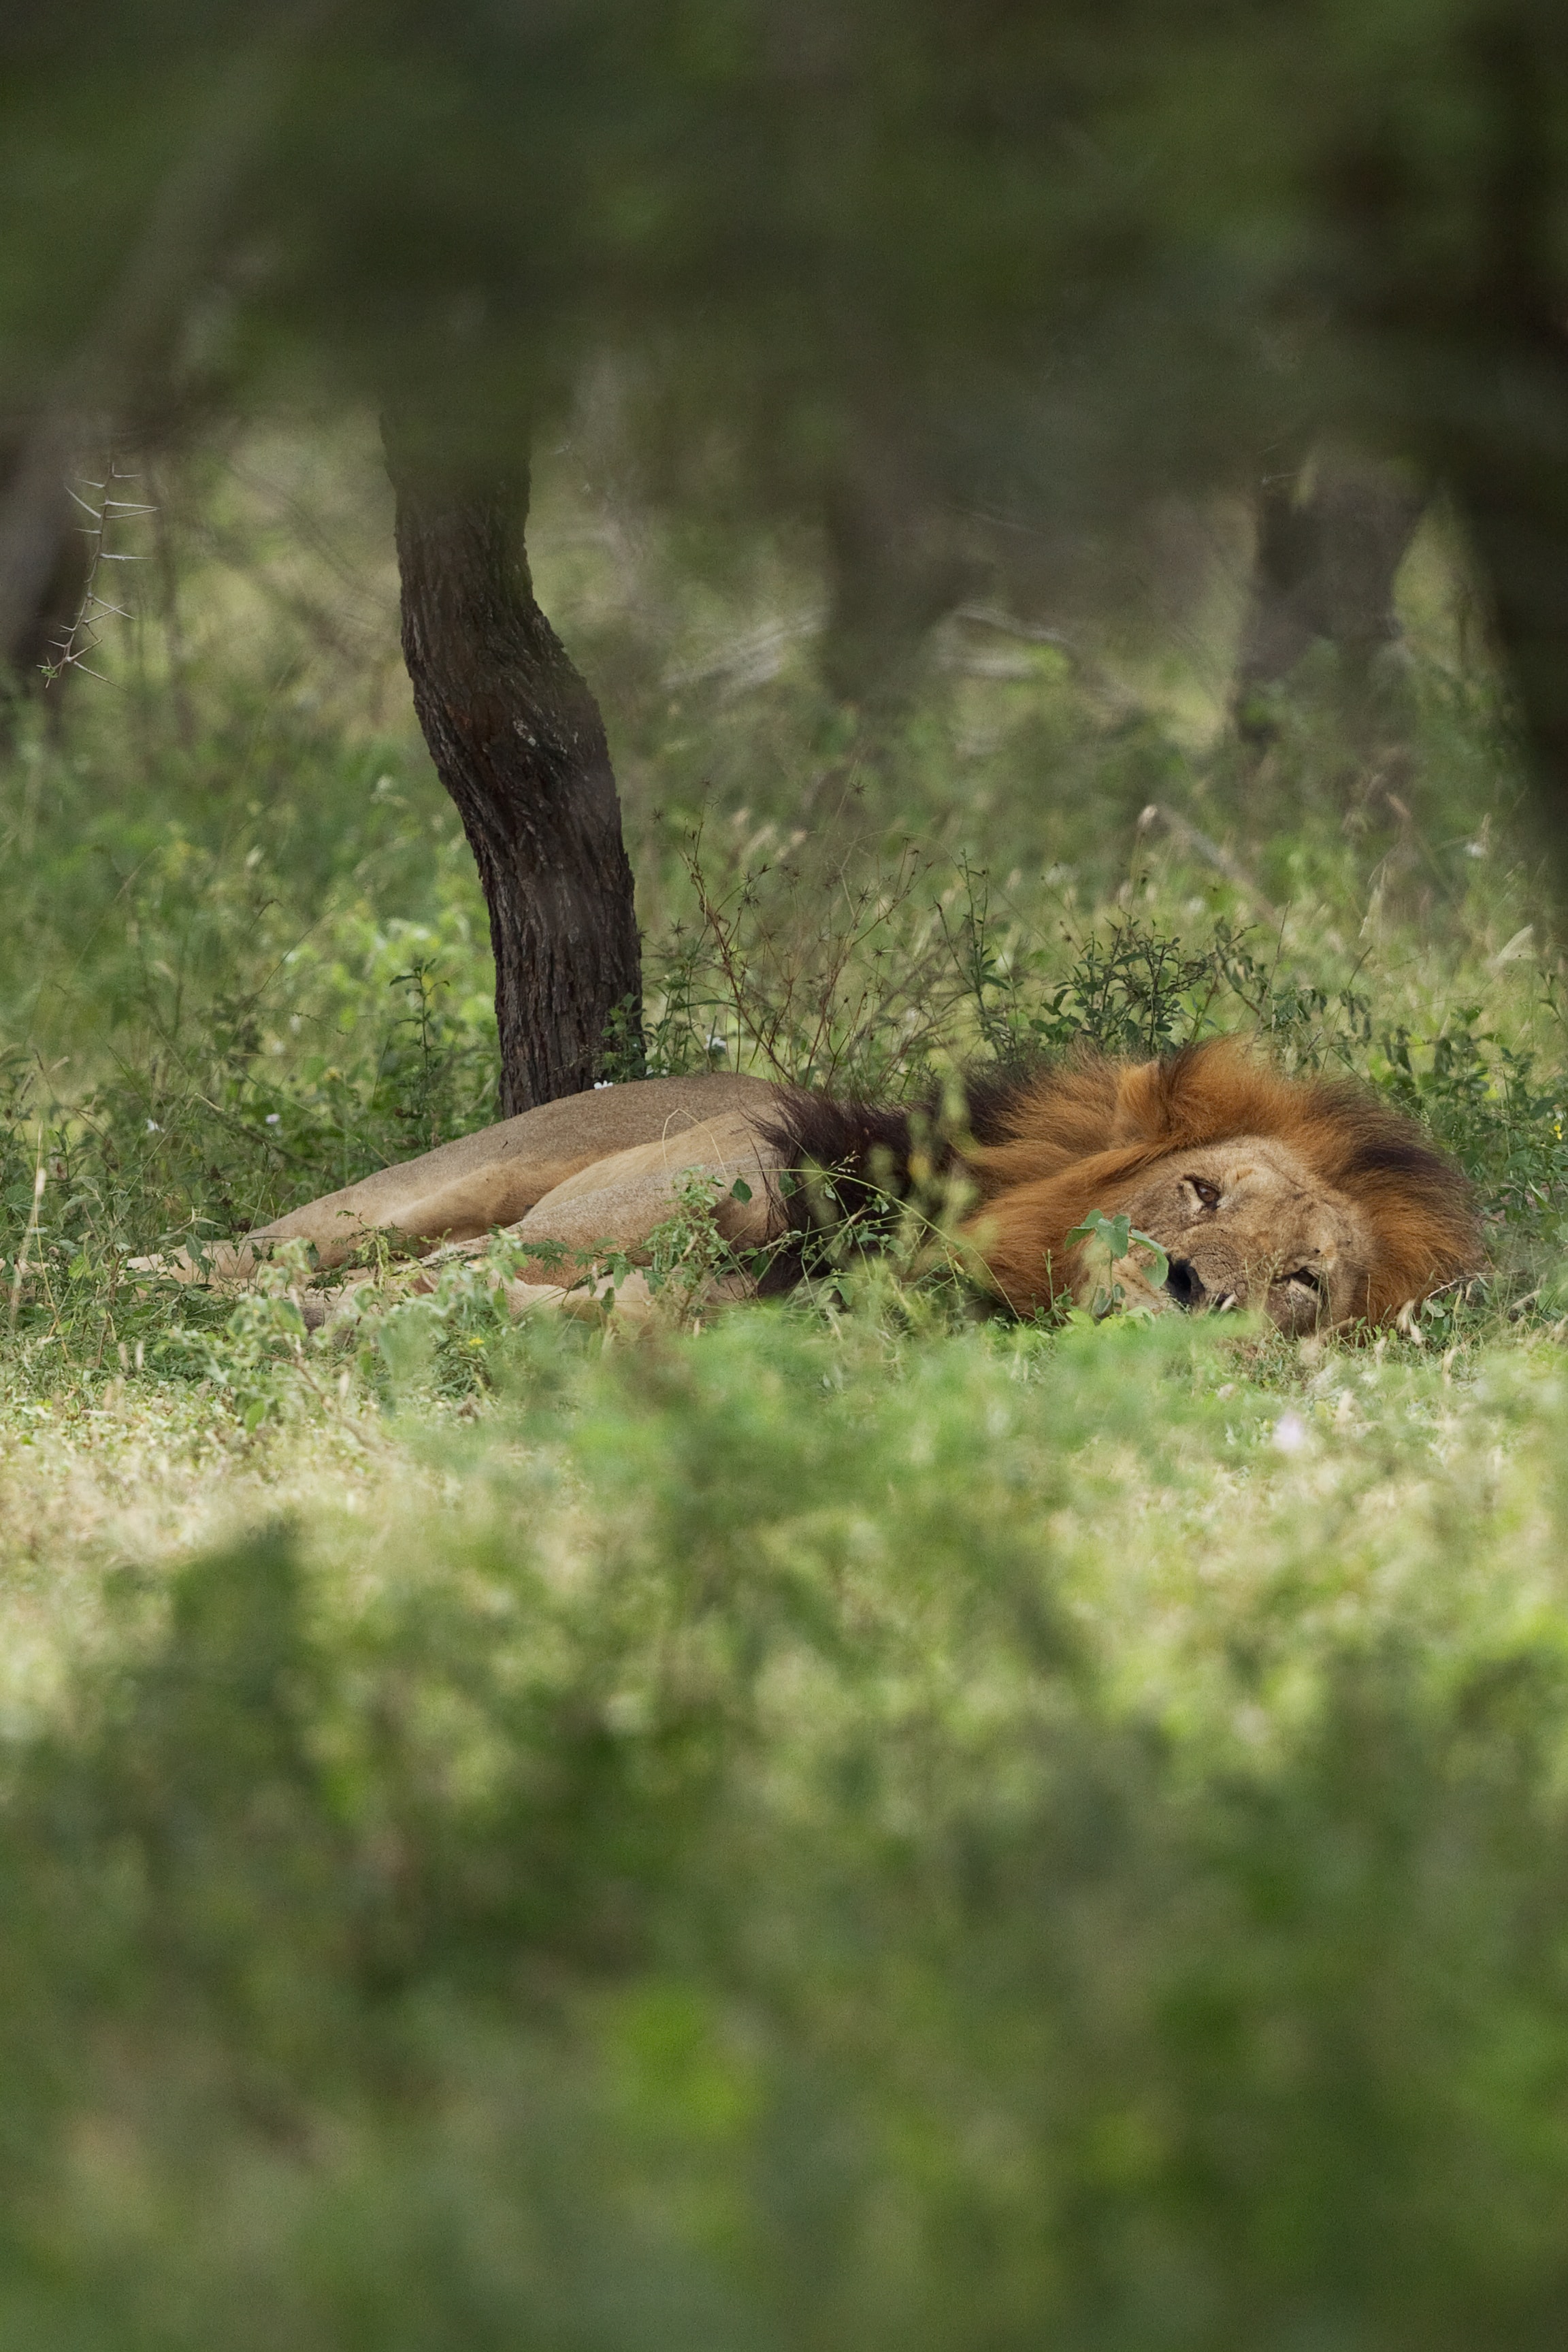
844	1137
860	1163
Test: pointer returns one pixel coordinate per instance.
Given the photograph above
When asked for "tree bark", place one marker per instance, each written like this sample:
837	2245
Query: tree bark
517	741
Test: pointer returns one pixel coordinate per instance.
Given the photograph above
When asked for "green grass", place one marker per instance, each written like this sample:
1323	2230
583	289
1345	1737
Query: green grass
853	1824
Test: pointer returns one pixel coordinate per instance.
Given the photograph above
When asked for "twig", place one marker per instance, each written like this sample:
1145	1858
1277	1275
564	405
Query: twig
40	1179
72	647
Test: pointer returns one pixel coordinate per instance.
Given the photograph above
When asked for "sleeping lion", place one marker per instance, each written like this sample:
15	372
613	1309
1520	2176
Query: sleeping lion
1305	1198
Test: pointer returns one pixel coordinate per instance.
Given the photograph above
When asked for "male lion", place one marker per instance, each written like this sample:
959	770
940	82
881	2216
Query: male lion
1306	1198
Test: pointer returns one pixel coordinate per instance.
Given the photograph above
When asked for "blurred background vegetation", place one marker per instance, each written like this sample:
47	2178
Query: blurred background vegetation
853	1824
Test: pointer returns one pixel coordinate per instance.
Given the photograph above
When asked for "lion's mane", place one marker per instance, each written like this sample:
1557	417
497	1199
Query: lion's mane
1045	1146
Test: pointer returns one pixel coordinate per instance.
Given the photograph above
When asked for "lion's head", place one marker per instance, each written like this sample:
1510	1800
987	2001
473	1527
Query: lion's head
1307	1199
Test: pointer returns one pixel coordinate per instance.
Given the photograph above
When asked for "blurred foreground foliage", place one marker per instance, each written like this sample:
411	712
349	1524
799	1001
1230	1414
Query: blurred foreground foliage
786	1861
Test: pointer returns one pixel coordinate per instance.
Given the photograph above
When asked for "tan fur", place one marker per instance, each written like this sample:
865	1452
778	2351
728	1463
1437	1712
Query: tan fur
623	1197
494	1177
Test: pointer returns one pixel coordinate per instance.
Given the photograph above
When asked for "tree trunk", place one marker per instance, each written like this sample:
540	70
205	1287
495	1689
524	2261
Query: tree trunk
1479	355
37	609
896	564
1506	451
1326	563
1517	514
517	741
123	365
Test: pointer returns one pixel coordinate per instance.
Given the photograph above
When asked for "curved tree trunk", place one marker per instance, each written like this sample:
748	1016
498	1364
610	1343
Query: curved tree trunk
517	741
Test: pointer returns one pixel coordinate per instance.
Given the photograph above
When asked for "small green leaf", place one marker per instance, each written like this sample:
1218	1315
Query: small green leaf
740	1189
1109	1233
1161	1265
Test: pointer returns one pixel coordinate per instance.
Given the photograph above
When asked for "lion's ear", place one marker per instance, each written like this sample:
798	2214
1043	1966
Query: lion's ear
1142	1103
1181	1096
1203	1095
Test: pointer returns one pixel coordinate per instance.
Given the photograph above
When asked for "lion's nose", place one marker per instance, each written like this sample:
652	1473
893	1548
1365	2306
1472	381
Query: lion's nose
1184	1283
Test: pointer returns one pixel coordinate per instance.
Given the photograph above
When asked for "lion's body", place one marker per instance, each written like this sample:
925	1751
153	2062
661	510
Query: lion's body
1306	1198
632	1143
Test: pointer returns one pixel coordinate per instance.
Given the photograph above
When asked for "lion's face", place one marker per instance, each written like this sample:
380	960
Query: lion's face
1247	1224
